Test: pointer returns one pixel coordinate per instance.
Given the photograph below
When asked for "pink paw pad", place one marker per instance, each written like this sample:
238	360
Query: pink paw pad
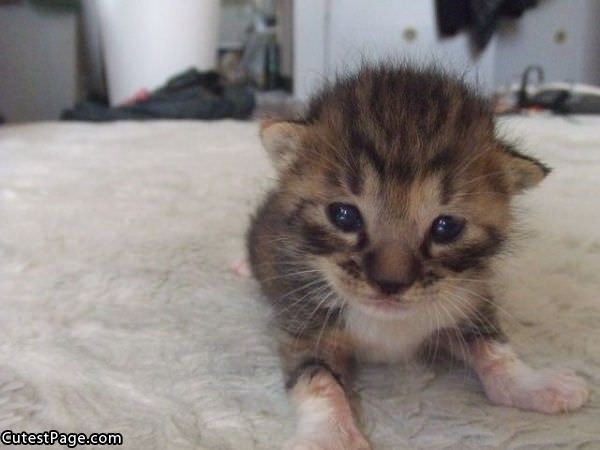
241	268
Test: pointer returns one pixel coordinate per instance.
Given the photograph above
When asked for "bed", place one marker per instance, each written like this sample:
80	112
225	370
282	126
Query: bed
119	312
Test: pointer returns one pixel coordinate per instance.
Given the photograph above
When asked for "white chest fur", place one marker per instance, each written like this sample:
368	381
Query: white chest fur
382	339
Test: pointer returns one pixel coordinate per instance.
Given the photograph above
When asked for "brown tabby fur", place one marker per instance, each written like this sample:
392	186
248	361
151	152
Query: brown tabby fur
404	145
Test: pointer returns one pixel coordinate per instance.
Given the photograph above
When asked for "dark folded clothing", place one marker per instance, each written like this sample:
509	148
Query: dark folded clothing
190	95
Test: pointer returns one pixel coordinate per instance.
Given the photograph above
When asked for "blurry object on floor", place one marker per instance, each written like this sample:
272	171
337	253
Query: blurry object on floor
566	98
505	100
272	61
285	31
279	105
522	97
190	95
144	42
556	97
91	52
229	65
260	62
481	17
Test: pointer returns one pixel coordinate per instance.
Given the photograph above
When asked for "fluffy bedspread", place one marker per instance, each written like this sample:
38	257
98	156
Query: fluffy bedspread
119	313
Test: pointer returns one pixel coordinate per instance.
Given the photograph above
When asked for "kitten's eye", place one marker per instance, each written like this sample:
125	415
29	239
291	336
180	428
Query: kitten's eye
445	229
346	217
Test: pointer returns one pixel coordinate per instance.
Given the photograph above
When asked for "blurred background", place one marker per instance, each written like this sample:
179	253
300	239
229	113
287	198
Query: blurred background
211	59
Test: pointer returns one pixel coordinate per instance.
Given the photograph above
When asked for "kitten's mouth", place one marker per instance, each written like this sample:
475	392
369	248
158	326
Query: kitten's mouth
382	302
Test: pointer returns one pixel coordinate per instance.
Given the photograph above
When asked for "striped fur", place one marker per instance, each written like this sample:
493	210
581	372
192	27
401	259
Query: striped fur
404	146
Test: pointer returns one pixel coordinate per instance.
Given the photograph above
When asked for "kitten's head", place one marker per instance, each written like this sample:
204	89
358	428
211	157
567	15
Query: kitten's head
395	186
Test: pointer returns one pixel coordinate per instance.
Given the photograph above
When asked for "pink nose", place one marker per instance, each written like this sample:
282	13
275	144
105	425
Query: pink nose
391	269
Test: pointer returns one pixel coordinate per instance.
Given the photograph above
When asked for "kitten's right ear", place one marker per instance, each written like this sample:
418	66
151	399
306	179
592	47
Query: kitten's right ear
282	140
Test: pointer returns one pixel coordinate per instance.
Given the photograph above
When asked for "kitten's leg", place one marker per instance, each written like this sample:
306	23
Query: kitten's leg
317	385
508	381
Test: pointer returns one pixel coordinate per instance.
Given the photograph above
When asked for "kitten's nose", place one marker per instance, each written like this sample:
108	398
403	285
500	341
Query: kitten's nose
390	269
389	287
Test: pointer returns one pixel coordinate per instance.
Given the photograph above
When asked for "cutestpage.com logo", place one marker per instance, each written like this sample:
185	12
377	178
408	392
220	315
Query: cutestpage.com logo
70	440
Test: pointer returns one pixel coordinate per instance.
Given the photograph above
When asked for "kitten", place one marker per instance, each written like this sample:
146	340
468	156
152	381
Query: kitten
393	197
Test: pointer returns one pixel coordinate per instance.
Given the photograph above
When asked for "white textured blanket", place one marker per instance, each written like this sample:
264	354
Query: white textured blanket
119	314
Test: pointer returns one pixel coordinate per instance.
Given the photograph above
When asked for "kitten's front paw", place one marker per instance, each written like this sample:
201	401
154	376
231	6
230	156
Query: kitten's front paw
545	392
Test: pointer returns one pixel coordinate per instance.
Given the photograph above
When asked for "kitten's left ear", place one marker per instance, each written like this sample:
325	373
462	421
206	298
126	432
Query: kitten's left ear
523	171
282	140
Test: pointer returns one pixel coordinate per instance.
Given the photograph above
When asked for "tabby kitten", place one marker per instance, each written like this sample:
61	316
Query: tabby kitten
393	197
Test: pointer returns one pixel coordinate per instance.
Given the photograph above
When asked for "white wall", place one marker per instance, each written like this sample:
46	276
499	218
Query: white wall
375	30
332	36
310	62
335	35
531	40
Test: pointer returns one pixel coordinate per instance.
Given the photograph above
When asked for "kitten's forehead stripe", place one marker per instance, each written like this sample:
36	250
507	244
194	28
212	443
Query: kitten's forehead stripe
361	144
403	173
354	180
395	116
443	160
334	178
447	189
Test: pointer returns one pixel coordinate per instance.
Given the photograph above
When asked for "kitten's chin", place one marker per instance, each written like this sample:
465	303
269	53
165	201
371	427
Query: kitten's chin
384	308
